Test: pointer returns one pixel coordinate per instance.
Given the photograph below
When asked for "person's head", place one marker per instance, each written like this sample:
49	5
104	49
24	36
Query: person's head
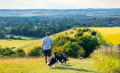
47	33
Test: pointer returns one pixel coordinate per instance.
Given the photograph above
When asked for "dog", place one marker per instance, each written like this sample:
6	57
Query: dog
54	60
63	59
80	57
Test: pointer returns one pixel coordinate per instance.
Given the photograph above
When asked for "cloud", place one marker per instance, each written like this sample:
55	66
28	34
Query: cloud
58	4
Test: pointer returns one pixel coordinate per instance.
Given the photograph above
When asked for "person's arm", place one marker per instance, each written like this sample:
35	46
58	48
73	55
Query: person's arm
53	43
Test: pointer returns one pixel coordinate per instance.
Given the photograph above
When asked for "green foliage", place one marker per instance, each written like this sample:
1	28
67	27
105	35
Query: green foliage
6	51
93	33
35	52
107	62
2	34
67	46
66	33
80	44
11	37
20	53
85	30
71	32
79	30
88	43
79	34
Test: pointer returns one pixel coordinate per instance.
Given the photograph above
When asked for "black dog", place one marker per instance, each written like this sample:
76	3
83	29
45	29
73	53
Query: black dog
62	58
54	60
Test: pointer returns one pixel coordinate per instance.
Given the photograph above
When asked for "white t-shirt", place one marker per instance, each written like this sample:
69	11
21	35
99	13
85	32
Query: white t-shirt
47	41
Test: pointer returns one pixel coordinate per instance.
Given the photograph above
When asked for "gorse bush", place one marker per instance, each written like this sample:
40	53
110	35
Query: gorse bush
71	32
6	51
79	34
10	53
35	52
67	46
93	33
20	53
80	44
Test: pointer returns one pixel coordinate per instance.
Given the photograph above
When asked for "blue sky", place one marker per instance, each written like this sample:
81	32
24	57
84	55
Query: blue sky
58	4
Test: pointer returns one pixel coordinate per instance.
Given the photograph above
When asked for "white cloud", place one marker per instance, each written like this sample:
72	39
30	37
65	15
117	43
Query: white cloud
58	4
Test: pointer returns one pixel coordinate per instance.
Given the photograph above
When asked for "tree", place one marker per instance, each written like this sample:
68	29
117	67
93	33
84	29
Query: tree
2	34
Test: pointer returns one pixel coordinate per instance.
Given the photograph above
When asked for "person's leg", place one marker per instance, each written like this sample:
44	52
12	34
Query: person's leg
49	55
45	53
46	59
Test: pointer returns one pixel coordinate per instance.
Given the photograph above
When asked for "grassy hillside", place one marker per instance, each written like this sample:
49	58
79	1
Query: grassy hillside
28	43
110	34
37	65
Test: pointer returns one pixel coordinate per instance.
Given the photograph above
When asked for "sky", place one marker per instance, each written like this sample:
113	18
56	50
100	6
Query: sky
58	4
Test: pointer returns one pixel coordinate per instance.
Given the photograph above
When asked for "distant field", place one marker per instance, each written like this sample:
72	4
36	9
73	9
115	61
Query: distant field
110	34
37	65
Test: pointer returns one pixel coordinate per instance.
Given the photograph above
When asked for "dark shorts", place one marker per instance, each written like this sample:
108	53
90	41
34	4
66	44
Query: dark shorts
47	52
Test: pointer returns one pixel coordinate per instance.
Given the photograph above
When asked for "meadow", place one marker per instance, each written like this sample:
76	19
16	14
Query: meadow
37	65
110	34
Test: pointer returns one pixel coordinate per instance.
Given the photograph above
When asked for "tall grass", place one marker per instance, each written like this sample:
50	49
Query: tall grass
107	62
109	34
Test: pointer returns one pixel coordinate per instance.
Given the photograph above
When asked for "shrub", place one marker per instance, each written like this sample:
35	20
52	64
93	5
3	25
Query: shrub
66	33
87	29
89	44
93	33
61	40
71	32
66	46
11	37
84	30
79	30
20	53
2	34
35	52
81	51
79	34
6	51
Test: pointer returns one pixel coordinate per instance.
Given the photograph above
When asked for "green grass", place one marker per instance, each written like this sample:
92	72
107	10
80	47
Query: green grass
37	65
107	62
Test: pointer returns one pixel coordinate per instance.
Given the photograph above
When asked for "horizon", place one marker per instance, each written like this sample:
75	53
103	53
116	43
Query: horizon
59	4
59	9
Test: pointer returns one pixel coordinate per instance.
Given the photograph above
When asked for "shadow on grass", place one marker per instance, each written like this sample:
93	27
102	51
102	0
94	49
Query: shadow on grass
75	69
66	65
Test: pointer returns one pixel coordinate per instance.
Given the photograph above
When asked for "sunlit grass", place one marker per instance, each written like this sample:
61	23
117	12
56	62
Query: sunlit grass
37	65
107	62
110	34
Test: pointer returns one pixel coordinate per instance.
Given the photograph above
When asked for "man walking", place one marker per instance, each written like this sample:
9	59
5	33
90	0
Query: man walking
47	41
